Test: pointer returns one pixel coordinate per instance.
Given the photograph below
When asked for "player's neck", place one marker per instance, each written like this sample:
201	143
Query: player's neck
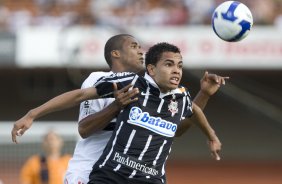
116	67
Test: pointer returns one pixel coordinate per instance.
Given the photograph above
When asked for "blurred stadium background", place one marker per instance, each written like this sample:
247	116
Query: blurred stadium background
48	47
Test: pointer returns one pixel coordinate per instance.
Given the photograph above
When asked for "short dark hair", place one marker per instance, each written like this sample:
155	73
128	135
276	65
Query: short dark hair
114	43
155	52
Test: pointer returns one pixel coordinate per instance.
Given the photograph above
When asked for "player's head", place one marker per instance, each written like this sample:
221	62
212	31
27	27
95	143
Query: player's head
164	64
123	53
52	142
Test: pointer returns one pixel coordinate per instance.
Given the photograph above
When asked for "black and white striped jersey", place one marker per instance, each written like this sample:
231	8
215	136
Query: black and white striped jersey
143	136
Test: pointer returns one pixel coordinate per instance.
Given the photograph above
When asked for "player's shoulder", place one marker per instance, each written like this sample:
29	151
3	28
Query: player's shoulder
121	74
98	75
124	76
94	77
184	90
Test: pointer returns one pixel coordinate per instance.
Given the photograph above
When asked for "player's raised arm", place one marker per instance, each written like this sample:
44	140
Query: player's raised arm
61	102
101	119
210	83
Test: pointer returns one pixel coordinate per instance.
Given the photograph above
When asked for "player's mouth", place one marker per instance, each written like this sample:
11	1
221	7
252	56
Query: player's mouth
174	80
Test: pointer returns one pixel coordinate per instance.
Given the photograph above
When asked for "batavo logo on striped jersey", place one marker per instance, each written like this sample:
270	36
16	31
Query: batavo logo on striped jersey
155	124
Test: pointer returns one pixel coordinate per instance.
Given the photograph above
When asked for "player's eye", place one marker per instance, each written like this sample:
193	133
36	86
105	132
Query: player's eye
168	64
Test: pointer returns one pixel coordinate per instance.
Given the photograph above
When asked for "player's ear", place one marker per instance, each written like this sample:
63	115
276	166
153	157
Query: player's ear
151	69
115	53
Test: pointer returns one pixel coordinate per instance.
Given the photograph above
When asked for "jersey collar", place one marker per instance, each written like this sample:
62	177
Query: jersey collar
172	92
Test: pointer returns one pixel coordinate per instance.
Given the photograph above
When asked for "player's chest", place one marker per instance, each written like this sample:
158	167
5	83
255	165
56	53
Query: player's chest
167	108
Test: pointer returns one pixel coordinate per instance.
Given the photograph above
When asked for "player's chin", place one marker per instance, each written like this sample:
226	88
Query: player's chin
173	86
139	67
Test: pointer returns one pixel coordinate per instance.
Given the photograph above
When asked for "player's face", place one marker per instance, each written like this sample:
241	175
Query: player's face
168	71
132	56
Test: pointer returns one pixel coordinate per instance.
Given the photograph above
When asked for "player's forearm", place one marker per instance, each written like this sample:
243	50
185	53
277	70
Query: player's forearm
201	99
61	102
208	131
203	123
98	121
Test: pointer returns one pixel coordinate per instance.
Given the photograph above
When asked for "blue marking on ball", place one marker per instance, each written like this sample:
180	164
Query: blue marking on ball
229	15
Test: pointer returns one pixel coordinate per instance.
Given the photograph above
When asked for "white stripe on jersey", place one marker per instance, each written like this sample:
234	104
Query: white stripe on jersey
114	141
132	174
115	80
127	146
133	81
142	153
160	106
163	168
146	96
183	107
159	153
117	167
189	101
146	147
129	141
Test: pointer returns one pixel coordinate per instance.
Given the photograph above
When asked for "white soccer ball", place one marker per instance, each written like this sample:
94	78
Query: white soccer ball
232	21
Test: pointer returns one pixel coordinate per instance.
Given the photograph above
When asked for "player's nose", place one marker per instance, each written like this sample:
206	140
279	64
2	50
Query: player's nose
141	51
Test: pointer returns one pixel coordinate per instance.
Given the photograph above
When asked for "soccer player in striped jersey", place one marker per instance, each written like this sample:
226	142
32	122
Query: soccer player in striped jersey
161	83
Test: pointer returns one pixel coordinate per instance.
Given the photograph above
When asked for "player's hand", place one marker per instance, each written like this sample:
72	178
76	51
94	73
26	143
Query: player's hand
210	83
215	147
125	95
20	127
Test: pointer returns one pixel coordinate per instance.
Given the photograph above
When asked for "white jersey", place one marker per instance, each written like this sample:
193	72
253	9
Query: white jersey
87	151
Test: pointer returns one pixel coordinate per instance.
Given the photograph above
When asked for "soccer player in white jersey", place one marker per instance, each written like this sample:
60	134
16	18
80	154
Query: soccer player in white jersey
123	53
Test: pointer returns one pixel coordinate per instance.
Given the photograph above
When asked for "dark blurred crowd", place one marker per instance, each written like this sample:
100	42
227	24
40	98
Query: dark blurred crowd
120	13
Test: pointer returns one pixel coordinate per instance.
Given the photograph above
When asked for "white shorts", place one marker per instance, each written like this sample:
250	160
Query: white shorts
76	178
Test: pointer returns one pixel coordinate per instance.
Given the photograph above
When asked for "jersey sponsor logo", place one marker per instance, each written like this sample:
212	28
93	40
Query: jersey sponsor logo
155	124
134	163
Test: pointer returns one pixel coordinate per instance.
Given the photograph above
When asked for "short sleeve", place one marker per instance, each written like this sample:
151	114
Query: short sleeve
105	85
188	110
